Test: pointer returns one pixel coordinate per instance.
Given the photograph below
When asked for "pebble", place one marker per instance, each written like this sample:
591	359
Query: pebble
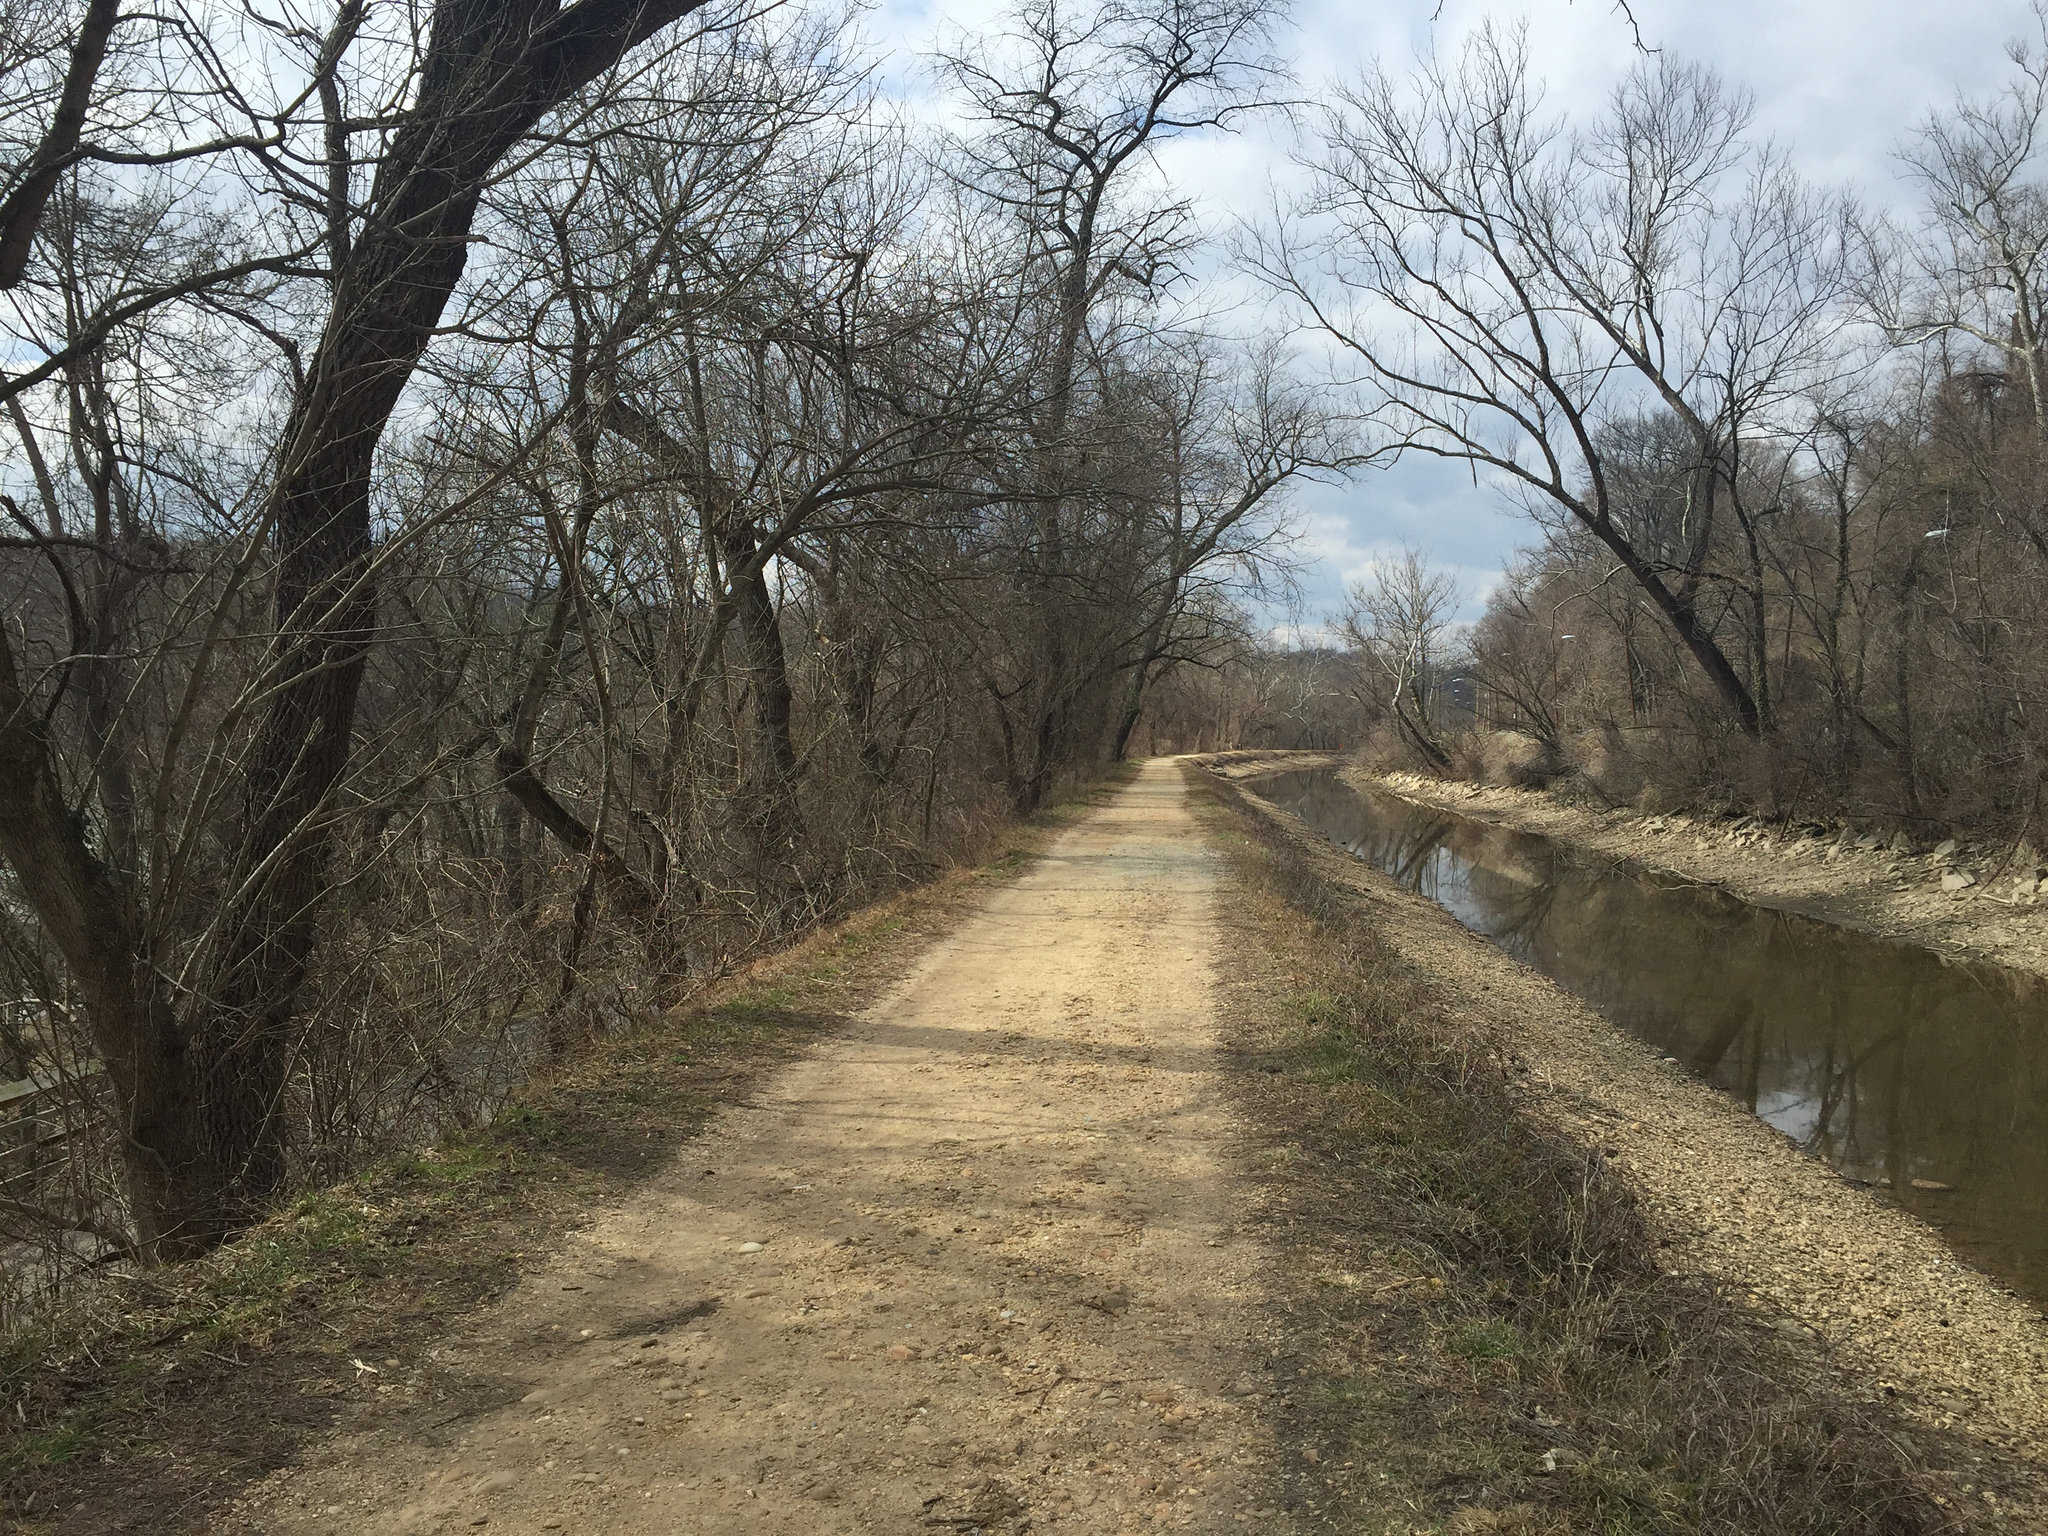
752	1247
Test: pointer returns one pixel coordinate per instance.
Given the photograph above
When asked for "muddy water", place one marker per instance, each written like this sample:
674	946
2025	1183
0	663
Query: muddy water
1884	1059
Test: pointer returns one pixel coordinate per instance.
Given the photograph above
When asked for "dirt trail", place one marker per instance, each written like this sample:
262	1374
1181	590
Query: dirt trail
973	1263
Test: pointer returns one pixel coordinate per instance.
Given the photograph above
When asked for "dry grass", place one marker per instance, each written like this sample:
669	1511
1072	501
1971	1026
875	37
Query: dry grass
1489	1341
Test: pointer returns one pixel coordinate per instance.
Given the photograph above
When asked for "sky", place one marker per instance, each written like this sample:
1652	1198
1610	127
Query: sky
1837	84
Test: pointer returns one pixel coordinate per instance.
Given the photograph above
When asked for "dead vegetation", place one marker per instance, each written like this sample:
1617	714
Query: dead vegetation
1489	1341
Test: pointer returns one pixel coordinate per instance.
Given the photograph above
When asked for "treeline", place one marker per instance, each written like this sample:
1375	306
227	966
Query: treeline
512	508
1788	457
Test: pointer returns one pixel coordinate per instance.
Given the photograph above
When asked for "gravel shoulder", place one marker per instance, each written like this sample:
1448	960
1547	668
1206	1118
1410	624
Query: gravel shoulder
1733	1200
974	1263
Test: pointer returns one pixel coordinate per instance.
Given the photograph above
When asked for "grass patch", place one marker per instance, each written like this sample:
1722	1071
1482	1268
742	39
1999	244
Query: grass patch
1529	1367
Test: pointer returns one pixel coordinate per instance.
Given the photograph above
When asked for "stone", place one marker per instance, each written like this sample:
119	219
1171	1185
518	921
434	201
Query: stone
1958	880
1944	849
901	1352
1933	1184
752	1247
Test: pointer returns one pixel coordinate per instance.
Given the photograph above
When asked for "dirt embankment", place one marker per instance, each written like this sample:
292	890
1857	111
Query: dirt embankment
1971	899
1732	1199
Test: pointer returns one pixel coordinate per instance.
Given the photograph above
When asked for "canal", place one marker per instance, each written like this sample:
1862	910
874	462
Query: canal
1904	1070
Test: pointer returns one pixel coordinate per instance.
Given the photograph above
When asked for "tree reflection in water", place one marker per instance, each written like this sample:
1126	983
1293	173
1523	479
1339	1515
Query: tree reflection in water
1885	1059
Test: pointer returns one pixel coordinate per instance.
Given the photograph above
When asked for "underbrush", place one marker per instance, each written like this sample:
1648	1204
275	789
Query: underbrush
1496	1329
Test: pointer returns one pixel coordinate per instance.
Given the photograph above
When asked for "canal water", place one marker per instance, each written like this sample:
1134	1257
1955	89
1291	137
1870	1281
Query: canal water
1885	1059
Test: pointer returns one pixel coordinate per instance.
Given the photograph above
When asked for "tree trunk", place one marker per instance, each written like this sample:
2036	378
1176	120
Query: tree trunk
1685	621
200	1107
769	788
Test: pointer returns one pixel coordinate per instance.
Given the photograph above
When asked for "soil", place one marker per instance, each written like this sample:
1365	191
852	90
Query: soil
1732	1199
1885	888
975	1263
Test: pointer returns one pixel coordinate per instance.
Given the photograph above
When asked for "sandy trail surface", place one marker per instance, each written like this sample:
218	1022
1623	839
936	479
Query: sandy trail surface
973	1265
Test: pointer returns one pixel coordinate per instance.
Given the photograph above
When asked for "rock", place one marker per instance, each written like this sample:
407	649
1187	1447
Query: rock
497	1482
752	1247
1958	880
900	1352
1867	841
1944	849
1933	1184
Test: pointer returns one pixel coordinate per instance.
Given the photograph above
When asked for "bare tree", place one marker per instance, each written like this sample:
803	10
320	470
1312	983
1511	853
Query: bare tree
1074	105
1398	623
1511	289
199	1073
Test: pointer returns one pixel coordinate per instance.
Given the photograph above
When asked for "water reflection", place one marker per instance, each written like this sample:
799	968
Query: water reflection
1886	1060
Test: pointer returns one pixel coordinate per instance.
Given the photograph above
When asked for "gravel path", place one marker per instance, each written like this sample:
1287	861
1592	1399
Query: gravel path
973	1264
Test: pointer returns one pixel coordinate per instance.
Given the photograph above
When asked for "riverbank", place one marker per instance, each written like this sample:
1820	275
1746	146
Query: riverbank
1832	1268
1969	900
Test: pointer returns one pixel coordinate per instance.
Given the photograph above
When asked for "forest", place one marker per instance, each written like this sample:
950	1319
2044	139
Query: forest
513	510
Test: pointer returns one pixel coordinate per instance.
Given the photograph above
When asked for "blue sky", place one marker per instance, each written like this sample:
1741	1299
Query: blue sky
1837	82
